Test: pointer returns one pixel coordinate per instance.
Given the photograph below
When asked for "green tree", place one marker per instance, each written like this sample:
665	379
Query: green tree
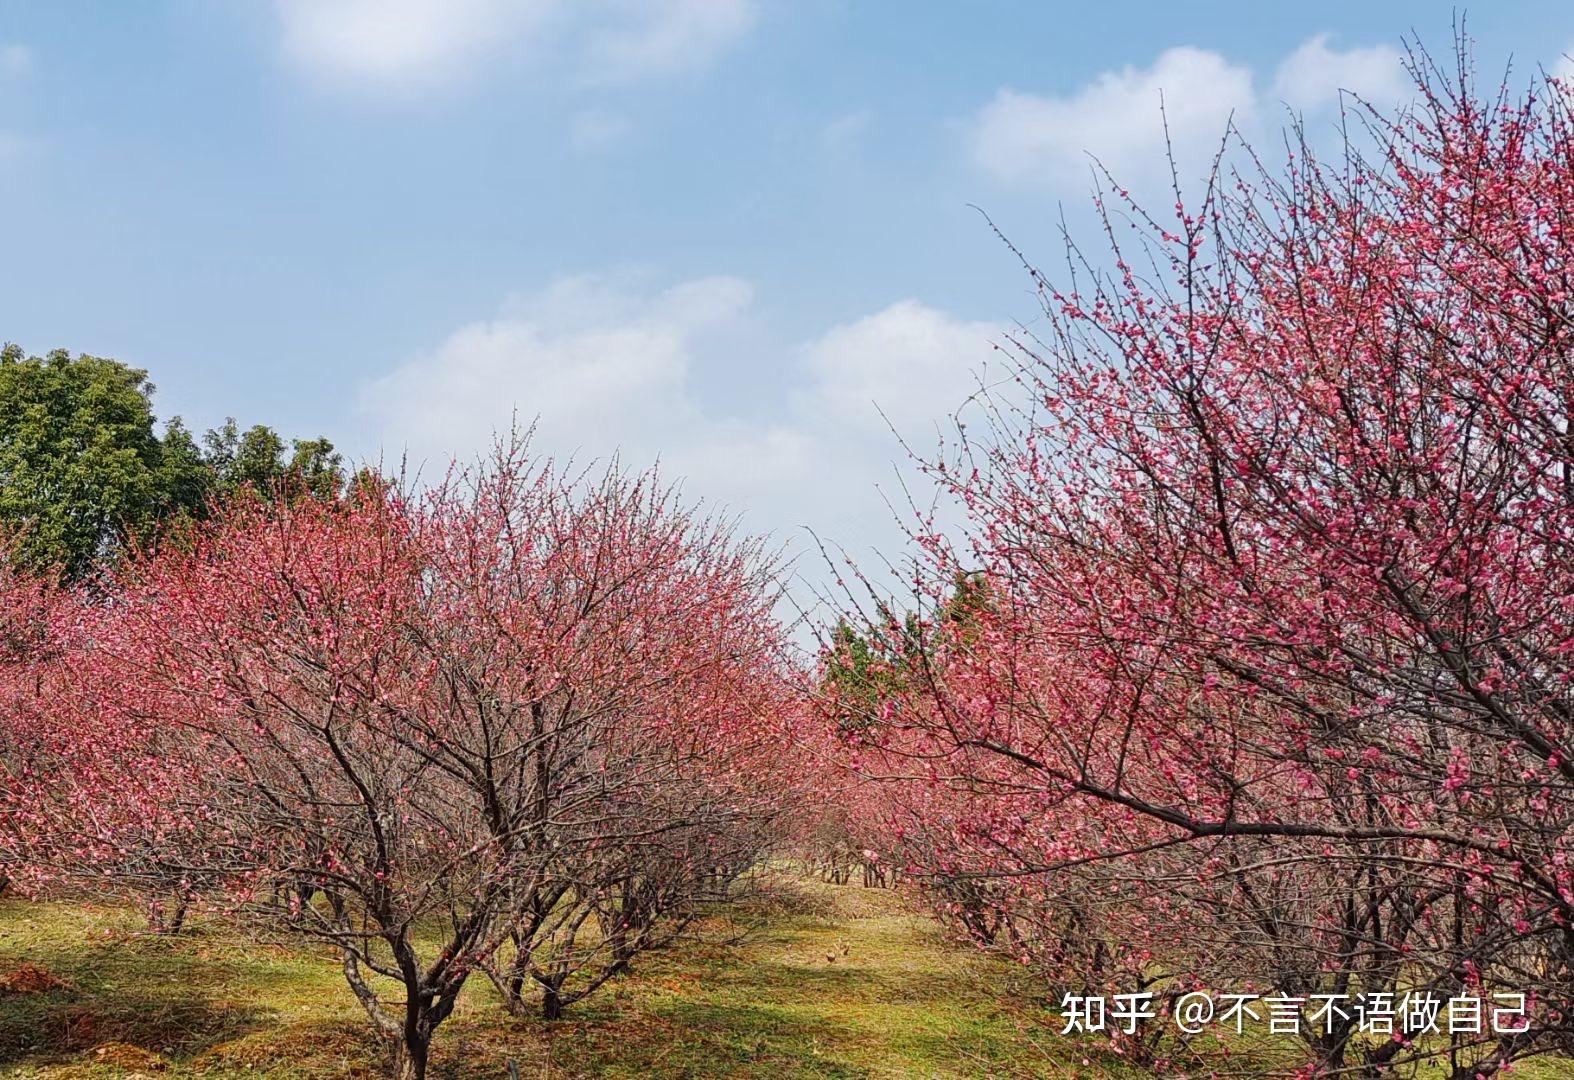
83	474
316	470
868	669
255	460
185	478
81	469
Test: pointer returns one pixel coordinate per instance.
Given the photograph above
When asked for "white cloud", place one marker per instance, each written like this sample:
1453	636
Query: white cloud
1117	119
908	366
586	358
1313	75
643	39
410	45
609	368
399	44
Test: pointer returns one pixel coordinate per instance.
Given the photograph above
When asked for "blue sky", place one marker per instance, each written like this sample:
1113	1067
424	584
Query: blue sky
709	230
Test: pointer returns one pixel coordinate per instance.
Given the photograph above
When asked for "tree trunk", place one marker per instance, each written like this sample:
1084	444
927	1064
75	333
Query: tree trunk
423	1012
551	1004
514	995
164	920
410	1055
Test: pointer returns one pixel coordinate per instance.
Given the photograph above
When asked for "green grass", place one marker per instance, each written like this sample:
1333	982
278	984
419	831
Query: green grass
846	982
859	988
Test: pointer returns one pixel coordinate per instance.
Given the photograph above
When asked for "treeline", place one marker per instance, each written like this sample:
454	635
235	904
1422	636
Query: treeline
85	473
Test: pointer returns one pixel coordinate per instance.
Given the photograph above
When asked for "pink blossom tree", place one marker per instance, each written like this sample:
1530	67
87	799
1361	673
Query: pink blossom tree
27	640
438	733
1274	670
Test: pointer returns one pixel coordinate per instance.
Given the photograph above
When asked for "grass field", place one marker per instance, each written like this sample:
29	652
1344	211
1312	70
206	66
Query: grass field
844	982
854	987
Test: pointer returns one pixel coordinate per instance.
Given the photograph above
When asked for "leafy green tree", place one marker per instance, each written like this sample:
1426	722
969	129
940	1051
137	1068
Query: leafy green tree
255	460
315	470
867	670
185	477
83	474
80	464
